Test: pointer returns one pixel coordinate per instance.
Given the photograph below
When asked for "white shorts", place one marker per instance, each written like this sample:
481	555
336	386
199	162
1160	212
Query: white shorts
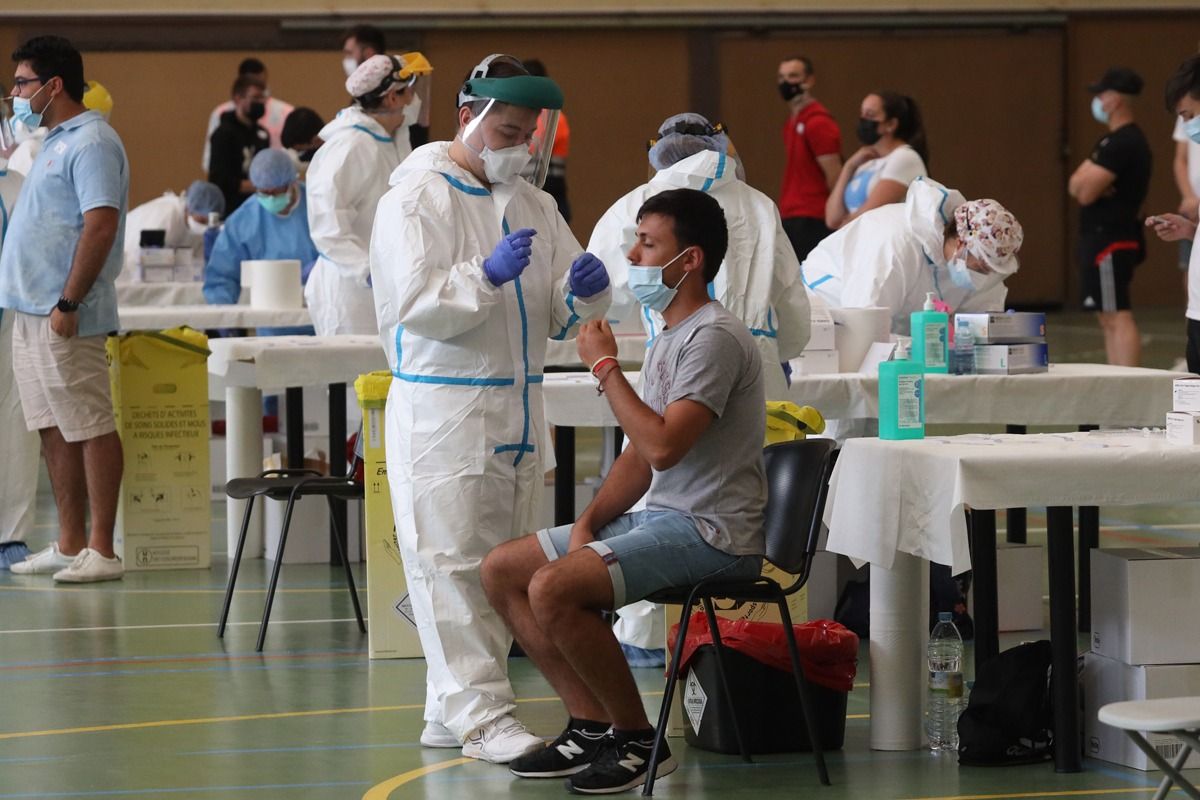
63	383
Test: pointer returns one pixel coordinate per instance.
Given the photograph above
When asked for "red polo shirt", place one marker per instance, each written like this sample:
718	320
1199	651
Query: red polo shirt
809	133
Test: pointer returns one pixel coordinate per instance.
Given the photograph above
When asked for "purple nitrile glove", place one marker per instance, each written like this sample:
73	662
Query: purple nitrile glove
510	258
588	276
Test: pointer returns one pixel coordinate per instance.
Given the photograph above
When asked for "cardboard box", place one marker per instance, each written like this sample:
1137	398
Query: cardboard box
1141	601
1186	394
815	362
1011	328
159	386
821	333
1107	680
1183	427
393	629
1020	587
1011	359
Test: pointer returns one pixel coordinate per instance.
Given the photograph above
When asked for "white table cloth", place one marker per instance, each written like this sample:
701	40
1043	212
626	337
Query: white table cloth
172	293
202	317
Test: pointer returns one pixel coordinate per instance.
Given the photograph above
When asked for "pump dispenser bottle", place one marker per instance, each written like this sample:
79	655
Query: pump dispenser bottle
929	337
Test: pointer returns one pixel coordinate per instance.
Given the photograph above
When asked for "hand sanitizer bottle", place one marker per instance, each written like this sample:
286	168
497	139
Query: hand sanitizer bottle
901	399
929	337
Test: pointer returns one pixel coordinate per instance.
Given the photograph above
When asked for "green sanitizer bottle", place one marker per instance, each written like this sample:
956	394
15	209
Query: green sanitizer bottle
901	398
930	338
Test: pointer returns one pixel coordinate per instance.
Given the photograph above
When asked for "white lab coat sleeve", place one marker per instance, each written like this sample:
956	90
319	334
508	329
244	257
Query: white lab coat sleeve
988	300
333	205
611	240
789	299
570	311
882	283
413	265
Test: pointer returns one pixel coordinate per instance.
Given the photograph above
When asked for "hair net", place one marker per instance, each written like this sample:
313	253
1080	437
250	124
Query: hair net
990	232
272	169
204	198
681	136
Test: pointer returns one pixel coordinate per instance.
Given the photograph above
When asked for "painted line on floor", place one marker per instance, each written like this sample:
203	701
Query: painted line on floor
152	659
1064	793
175	625
170	723
381	791
213	590
180	660
181	790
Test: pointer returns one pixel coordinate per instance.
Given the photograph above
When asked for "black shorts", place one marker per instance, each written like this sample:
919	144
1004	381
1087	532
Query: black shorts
805	233
1193	346
1106	270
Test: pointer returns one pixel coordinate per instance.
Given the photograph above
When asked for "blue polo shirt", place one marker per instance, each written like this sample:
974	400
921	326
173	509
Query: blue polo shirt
81	166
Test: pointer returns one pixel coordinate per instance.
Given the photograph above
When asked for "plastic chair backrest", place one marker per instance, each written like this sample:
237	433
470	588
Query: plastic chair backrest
797	480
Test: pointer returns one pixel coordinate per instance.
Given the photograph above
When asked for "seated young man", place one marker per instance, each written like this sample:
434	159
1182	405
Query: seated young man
695	454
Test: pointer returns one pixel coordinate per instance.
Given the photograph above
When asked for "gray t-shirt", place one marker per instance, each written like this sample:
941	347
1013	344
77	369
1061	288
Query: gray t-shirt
710	358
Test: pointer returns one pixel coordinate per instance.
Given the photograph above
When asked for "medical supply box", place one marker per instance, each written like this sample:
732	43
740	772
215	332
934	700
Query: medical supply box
1015	327
815	362
821	330
1140	604
1011	359
1183	427
1186	394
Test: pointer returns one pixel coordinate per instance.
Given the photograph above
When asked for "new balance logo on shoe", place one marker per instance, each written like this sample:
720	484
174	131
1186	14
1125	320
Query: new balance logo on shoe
632	762
569	749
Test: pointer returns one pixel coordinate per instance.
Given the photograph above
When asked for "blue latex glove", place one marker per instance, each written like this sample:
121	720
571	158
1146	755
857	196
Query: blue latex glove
588	276
510	258
787	372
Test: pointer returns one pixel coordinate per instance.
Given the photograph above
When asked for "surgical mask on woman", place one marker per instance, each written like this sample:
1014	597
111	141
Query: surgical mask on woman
647	285
868	131
1192	129
275	203
23	110
195	226
960	273
1098	112
412	111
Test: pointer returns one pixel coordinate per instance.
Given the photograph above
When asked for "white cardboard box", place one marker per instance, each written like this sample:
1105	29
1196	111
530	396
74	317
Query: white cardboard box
1020	587
1011	359
1107	680
1142	605
1186	394
1183	427
815	362
821	336
1006	328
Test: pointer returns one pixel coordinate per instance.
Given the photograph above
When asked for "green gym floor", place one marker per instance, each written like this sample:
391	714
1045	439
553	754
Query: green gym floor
123	690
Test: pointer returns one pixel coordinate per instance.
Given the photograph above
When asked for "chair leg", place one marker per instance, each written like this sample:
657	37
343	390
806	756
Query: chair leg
337	541
237	562
718	650
806	707
283	534
664	712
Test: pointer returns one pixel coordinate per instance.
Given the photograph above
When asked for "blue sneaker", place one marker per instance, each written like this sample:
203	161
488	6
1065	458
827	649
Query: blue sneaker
12	553
642	657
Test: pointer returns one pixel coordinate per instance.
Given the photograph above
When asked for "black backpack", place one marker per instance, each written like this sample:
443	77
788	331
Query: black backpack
1009	718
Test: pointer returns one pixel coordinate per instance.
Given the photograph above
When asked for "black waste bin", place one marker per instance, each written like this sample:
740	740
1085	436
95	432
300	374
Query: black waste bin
768	707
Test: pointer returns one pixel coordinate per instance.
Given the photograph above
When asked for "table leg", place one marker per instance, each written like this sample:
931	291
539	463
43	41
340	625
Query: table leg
337	467
1015	518
243	459
564	475
983	580
295	428
899	632
1059	523
1089	540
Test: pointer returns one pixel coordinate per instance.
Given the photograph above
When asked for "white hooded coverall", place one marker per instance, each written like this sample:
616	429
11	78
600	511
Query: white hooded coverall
465	434
892	256
759	280
347	176
166	213
21	447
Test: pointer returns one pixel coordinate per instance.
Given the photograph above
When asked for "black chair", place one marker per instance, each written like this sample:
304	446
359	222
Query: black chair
291	485
797	483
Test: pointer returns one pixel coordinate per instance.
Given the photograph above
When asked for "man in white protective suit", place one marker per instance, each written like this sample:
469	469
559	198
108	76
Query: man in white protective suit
936	241
345	180
21	447
473	270
759	281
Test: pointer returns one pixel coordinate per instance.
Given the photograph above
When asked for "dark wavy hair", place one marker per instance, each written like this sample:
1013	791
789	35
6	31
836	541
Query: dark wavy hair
910	127
697	220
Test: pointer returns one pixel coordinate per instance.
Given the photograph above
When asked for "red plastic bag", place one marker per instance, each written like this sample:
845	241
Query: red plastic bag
828	651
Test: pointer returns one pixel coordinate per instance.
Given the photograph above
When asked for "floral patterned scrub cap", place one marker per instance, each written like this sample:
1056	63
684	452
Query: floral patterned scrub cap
991	233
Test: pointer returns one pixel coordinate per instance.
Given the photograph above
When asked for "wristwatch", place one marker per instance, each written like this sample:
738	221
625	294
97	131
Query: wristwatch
67	306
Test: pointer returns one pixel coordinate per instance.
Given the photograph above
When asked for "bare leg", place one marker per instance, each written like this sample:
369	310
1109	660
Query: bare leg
103	462
1122	341
64	462
506	575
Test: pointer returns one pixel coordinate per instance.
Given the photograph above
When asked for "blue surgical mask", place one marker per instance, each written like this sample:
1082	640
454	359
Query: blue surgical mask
960	274
1098	112
1192	129
23	110
275	203
647	285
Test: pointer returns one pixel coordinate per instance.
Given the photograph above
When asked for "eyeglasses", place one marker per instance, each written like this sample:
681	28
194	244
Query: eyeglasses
21	83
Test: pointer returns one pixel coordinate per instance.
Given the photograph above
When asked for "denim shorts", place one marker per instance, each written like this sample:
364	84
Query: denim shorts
648	551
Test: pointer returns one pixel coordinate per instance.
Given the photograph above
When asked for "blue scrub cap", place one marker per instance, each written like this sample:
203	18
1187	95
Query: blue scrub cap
684	135
204	198
272	169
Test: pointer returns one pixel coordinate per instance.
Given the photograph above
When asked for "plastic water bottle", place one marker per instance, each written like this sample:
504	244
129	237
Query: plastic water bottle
211	233
964	348
946	695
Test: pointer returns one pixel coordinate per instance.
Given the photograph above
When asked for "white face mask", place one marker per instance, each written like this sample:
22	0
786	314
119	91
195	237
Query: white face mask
195	227
412	111
505	165
349	64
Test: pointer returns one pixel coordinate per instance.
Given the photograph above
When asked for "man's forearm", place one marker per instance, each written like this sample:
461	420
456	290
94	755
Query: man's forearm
644	428
624	485
95	243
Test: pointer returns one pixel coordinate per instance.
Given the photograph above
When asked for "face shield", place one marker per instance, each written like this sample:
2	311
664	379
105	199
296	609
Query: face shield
531	159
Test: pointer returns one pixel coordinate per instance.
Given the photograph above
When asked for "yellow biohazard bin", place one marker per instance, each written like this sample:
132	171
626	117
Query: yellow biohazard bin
159	385
392	632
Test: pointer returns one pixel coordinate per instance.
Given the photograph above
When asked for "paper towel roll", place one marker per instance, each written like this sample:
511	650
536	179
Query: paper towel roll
899	631
854	330
273	284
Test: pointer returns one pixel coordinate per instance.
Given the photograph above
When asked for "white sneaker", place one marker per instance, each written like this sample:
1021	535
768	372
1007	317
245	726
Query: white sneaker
438	735
501	741
44	562
89	566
